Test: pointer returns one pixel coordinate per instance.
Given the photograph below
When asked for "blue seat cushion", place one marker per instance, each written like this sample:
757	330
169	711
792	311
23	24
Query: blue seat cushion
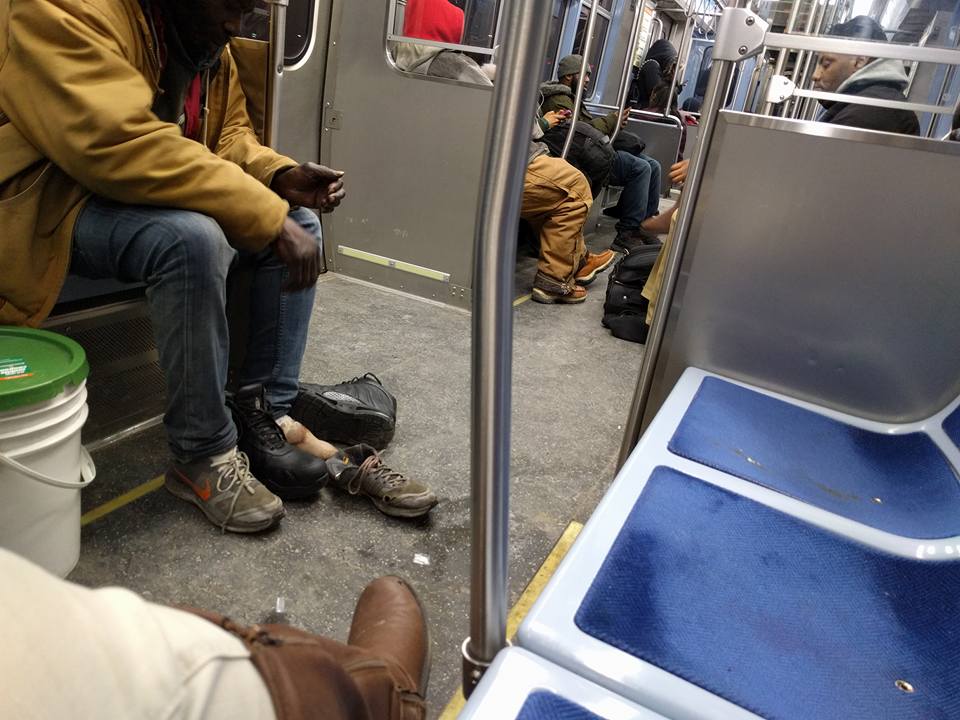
951	426
543	705
778	616
902	484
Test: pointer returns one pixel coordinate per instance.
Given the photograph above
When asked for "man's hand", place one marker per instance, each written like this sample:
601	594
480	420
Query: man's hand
625	115
678	172
555	117
300	252
310	185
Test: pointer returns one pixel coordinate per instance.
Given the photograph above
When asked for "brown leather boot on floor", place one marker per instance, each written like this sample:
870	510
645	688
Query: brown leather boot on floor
389	622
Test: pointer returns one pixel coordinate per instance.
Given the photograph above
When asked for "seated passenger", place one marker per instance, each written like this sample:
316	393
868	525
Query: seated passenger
440	21
110	654
141	164
658	65
638	174
556	202
864	77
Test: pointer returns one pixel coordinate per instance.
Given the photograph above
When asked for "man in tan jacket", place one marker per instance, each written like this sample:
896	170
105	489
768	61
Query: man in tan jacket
126	152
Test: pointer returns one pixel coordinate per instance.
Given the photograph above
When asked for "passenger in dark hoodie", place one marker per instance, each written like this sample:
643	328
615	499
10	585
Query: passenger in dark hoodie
864	77
657	67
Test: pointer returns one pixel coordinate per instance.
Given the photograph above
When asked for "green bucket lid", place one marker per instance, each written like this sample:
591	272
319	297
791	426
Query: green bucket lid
36	365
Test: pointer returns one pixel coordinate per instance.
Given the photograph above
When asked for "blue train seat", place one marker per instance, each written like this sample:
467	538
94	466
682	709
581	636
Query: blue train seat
522	686
900	483
951	426
716	579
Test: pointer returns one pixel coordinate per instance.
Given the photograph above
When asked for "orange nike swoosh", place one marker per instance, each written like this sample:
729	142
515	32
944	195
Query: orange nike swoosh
203	493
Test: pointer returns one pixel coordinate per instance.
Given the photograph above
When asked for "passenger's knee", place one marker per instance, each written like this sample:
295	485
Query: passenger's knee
307	219
197	241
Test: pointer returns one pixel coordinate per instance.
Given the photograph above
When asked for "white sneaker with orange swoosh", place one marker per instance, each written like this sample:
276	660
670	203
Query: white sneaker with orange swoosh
226	492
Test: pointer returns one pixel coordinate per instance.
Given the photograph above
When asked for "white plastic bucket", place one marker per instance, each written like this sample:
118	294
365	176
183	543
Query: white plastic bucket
43	467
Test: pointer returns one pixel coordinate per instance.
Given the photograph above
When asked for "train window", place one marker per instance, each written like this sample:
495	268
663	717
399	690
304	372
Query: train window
599	38
443	38
553	44
299	33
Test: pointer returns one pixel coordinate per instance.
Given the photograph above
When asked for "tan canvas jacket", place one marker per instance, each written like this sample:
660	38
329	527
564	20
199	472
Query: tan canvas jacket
77	81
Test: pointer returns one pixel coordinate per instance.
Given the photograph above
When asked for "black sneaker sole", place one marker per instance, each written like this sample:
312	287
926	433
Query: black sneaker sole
335	424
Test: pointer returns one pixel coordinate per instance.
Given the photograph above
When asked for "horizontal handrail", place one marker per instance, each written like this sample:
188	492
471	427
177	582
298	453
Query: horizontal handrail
873	102
843	46
673	119
475	49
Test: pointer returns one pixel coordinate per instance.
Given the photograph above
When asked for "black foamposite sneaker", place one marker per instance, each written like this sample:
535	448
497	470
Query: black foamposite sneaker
358	411
290	473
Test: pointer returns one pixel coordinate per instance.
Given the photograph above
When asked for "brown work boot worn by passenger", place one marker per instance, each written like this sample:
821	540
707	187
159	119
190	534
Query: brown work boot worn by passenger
593	265
360	471
226	492
547	290
390	623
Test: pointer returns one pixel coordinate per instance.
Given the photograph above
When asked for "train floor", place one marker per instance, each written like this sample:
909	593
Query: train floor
572	385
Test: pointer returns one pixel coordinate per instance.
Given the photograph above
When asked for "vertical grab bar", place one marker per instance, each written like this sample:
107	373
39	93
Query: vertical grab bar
628	62
720	75
582	80
495	245
278	33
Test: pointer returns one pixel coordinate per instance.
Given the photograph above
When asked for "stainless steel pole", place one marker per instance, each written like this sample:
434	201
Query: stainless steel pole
783	54
582	80
628	62
278	32
721	74
495	245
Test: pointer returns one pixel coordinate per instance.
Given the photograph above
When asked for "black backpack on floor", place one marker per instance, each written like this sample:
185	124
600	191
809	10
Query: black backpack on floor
590	152
625	309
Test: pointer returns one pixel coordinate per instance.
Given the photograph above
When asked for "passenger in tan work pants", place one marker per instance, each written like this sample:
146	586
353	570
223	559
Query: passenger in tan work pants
556	202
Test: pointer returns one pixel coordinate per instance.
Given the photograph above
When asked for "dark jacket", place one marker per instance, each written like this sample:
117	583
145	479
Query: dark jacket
557	96
882	79
652	71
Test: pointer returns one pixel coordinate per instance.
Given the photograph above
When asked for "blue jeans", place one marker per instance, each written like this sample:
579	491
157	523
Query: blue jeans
184	259
639	175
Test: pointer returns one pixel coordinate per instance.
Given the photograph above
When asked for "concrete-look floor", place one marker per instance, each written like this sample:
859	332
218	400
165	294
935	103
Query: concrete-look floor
572	385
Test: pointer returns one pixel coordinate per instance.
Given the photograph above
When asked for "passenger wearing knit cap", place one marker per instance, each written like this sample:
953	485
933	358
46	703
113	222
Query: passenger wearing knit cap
636	173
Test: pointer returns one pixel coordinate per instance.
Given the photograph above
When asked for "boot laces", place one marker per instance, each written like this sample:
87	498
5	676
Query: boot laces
373	467
361	378
234	472
266	428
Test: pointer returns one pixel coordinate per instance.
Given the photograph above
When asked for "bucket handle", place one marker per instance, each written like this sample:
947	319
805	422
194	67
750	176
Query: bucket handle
88	471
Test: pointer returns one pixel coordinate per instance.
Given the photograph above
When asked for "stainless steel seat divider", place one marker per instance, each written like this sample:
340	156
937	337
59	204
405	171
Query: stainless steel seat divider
495	247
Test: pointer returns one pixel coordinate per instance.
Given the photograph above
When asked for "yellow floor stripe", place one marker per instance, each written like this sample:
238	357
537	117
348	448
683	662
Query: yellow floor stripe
119	502
526	601
522	299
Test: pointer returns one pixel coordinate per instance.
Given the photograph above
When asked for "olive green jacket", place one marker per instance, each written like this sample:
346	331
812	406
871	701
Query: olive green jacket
557	96
77	82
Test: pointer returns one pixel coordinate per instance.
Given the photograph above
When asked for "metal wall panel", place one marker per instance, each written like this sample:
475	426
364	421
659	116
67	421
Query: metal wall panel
822	263
301	100
411	147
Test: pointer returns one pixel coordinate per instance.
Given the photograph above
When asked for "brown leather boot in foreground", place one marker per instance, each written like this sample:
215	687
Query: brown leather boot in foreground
390	623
